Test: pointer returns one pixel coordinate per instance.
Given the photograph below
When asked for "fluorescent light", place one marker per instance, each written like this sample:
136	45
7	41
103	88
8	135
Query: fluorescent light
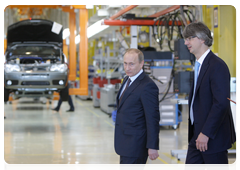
66	33
91	31
89	6
96	28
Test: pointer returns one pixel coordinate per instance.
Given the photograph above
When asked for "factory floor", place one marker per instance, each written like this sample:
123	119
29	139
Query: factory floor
35	134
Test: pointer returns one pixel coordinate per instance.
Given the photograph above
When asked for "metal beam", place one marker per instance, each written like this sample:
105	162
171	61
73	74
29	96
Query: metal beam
33	6
165	11
137	22
123	11
79	6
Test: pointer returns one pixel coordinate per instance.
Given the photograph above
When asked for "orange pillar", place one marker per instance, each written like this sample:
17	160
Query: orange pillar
72	47
83	50
83	54
65	48
5	45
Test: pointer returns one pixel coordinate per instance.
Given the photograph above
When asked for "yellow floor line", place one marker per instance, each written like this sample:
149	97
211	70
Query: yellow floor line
92	112
80	103
109	123
167	164
173	158
95	114
89	109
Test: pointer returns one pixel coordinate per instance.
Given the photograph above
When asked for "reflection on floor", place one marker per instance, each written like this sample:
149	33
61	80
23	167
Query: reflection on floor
34	134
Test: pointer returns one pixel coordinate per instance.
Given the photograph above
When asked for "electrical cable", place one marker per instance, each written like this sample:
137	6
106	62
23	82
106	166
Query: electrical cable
164	29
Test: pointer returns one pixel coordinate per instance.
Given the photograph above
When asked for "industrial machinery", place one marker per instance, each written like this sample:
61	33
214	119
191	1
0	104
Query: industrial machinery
107	80
159	66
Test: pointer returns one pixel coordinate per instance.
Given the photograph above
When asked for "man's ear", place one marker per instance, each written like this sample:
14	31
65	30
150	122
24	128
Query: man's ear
202	41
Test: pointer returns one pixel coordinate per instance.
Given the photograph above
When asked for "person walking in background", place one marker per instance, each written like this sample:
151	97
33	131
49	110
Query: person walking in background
70	102
137	120
211	129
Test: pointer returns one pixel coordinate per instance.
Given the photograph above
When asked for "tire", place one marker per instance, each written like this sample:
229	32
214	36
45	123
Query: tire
64	94
6	94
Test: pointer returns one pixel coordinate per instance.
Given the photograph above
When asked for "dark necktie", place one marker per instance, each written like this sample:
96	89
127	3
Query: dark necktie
128	82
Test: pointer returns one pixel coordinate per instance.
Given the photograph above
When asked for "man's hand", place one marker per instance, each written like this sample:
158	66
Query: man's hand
201	142
153	154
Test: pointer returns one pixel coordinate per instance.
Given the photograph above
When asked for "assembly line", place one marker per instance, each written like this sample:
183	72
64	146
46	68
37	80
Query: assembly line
119	84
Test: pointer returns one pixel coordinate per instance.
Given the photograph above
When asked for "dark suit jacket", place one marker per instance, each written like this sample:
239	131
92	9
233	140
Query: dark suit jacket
211	108
137	121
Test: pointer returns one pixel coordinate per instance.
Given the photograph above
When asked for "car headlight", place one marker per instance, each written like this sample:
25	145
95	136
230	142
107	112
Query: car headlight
11	68
59	67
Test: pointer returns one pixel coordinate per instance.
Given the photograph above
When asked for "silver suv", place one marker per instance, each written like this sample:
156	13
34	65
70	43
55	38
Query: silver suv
35	65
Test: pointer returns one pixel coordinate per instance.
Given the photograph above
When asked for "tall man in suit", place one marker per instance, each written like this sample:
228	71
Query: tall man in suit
137	120
211	128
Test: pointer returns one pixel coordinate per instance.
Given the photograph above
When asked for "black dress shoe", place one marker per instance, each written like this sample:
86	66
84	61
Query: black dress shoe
55	109
70	110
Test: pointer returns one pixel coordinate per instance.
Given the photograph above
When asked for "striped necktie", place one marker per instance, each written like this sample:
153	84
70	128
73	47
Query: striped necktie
127	85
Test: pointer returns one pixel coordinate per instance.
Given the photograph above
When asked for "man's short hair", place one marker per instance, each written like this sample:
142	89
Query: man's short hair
136	51
199	30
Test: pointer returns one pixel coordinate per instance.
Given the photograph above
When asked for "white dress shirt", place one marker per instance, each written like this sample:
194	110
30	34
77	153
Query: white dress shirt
132	80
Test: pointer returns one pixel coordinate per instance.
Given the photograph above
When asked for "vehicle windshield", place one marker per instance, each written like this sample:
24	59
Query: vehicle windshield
45	52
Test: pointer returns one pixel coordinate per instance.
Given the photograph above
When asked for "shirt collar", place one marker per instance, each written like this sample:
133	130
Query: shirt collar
201	59
136	76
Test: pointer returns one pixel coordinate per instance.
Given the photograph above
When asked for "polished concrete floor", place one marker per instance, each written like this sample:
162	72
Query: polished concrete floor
34	134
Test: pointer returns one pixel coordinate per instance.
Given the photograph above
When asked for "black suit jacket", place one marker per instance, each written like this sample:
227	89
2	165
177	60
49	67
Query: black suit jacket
137	120
211	108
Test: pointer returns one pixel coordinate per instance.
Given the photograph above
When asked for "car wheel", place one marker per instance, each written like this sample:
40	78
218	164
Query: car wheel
64	94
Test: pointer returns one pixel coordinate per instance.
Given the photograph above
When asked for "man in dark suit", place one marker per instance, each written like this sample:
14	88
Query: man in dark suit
137	120
211	128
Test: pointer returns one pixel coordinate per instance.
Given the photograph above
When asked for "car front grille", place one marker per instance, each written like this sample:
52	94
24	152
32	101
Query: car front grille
35	75
34	83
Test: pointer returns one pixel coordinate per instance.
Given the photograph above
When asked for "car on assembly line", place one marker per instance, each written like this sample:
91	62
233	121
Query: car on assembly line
35	65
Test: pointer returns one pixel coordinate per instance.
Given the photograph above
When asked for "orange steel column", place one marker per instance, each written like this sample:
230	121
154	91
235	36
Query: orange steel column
83	51
72	47
65	48
5	45
83	55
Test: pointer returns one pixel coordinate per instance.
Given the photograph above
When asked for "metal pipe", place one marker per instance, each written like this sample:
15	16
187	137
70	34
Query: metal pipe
123	11
137	22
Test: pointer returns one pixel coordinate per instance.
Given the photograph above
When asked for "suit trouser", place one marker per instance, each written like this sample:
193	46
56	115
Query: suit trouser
70	102
133	160
195	156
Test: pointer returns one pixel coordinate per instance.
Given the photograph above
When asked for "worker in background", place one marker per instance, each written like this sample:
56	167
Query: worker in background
70	102
137	120
211	129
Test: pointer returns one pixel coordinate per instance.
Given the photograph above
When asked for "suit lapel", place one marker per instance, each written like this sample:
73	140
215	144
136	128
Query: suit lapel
119	92
131	88
190	95
203	70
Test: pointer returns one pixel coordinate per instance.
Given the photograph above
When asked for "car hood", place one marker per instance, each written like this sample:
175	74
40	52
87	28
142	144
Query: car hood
34	30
